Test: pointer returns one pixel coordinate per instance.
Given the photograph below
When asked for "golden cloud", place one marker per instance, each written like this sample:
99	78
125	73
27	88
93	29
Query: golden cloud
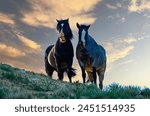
118	49
29	43
139	5
10	51
117	54
130	40
127	41
6	19
45	12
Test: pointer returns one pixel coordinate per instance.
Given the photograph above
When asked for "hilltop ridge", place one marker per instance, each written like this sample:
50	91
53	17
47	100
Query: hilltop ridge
18	83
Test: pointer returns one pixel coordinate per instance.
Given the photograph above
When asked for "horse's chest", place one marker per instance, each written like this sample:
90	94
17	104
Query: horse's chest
64	51
87	60
88	65
82	54
84	57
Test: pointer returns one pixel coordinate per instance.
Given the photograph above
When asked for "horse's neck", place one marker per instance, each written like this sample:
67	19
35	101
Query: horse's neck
90	40
64	44
69	35
61	49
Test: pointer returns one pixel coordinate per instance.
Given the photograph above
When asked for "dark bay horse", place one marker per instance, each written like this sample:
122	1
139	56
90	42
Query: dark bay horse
59	57
91	56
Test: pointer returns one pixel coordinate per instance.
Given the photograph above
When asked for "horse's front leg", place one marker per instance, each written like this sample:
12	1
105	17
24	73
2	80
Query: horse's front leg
82	65
83	74
70	71
59	69
94	74
69	75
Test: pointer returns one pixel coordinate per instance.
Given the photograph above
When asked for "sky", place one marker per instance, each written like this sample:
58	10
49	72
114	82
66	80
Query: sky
122	27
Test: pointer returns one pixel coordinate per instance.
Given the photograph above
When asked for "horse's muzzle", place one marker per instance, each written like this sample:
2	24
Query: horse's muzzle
83	44
62	38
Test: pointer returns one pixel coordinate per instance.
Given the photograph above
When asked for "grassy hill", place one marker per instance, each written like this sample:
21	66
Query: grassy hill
17	84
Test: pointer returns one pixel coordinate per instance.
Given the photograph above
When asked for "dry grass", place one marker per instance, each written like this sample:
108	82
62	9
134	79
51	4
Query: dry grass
20	84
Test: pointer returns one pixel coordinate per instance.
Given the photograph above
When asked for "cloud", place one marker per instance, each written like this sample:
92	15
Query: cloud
130	40
114	7
45	12
147	15
118	49
111	6
126	41
28	42
10	51
123	19
118	17
139	5
127	62
116	54
8	19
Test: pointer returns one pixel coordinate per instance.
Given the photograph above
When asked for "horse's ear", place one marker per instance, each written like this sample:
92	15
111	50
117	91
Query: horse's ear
77	24
67	20
57	20
88	26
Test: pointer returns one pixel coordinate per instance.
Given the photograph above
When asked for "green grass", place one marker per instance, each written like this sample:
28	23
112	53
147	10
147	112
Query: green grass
20	84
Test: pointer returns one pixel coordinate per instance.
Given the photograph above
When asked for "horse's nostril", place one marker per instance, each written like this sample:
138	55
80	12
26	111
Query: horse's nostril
62	39
84	45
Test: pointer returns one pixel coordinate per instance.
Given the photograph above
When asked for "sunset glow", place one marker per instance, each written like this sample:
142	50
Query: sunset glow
122	27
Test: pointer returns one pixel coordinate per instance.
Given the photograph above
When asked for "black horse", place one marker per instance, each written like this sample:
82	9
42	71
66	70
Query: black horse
91	56
59	57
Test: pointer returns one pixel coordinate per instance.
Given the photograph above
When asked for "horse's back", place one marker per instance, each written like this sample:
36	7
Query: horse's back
102	51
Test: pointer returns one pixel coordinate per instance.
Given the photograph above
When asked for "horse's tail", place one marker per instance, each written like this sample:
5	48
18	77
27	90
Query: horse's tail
72	72
47	65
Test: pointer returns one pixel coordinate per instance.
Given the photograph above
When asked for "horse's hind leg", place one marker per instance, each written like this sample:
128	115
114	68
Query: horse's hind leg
48	68
101	78
101	81
49	71
90	75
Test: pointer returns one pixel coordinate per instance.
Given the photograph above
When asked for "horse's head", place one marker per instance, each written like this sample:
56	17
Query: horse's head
64	30
83	33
